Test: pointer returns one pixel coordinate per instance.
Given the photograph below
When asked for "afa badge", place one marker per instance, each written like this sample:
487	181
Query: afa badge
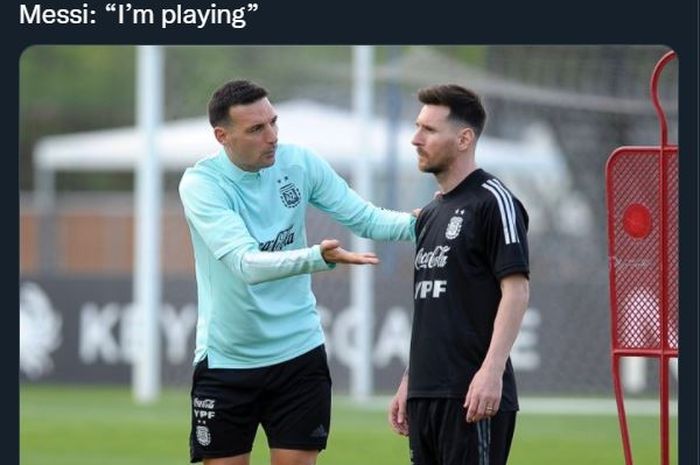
454	226
203	435
289	193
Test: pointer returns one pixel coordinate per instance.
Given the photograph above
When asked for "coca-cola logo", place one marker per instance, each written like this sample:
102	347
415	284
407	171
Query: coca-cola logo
203	403
283	239
433	259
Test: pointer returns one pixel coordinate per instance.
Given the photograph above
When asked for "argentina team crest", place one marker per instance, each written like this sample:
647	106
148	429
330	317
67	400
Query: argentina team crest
455	225
203	435
289	193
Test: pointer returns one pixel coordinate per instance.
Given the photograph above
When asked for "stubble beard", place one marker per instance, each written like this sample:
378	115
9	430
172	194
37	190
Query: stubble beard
434	169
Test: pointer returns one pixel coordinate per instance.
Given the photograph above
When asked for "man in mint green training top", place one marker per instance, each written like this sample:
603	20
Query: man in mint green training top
260	356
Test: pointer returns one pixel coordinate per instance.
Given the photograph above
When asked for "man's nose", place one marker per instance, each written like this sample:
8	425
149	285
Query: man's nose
271	134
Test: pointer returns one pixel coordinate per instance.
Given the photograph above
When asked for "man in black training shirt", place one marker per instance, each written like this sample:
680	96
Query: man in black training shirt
457	402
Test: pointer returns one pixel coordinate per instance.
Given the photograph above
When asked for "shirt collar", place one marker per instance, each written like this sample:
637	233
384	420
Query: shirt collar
472	178
233	172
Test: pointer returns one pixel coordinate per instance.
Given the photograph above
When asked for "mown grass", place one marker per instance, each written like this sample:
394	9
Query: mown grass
103	426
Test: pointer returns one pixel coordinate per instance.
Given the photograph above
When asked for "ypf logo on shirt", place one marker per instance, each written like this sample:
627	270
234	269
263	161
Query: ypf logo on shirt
289	193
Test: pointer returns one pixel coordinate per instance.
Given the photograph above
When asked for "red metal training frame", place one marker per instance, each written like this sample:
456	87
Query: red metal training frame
642	203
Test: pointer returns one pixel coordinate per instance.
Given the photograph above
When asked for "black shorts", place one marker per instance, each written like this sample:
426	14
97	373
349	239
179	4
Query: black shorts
440	435
291	400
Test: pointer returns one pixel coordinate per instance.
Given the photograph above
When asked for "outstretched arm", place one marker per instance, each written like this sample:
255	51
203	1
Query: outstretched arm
255	267
221	229
333	253
331	194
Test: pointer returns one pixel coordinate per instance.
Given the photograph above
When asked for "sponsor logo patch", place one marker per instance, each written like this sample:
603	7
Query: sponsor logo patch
433	259
203	403
319	432
283	239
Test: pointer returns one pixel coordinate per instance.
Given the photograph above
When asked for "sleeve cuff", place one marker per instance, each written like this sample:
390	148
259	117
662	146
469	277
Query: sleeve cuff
319	263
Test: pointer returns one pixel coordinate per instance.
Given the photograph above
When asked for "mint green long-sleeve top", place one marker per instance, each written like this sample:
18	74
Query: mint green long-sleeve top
252	262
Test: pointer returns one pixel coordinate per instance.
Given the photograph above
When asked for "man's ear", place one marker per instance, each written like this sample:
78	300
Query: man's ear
466	138
220	134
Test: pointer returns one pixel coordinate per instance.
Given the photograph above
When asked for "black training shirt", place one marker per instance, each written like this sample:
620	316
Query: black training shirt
468	239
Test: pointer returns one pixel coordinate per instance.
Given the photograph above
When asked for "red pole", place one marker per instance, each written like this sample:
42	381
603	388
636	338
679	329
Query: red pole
663	396
663	245
621	416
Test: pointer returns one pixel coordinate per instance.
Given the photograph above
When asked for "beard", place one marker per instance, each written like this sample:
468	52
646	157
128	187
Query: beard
435	168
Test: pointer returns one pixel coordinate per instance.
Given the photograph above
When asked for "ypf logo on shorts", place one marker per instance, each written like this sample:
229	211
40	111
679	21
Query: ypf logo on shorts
203	409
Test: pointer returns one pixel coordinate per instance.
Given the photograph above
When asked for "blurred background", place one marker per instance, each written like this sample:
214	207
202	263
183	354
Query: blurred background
555	113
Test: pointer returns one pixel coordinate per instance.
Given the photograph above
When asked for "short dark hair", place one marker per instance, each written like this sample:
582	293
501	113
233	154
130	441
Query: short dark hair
238	92
464	104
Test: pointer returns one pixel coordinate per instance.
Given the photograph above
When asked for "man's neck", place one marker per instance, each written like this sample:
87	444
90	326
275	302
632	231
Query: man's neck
456	173
238	164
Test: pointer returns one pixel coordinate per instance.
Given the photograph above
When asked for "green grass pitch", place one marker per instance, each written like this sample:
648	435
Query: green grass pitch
102	426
